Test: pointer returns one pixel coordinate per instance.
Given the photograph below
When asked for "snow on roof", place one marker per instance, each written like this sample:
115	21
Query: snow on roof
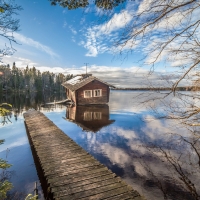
79	81
75	80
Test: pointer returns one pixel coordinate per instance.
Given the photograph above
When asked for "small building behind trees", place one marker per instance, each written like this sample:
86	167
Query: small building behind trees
86	89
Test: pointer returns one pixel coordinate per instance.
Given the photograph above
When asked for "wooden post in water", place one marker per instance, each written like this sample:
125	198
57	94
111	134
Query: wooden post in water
36	190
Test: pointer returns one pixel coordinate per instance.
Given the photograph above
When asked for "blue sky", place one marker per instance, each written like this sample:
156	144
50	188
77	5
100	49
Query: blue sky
61	40
60	34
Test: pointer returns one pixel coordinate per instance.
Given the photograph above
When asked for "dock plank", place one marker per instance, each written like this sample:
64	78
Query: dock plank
69	171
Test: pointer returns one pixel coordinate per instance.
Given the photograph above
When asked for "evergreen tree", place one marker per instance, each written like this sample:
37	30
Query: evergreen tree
30	80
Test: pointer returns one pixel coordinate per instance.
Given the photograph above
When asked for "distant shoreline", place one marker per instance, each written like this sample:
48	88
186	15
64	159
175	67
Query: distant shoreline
159	89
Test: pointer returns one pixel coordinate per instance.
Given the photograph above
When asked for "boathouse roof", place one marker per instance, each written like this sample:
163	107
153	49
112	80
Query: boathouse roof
81	80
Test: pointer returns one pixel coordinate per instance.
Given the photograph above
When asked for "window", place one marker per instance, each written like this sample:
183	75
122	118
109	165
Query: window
97	115
94	93
97	93
87	93
87	116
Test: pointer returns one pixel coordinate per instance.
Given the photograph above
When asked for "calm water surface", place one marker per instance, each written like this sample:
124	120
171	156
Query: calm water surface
158	157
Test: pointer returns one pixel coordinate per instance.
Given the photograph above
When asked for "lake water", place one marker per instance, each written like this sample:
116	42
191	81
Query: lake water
160	158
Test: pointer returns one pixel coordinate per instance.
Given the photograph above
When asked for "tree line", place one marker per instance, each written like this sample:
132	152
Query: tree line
14	79
181	88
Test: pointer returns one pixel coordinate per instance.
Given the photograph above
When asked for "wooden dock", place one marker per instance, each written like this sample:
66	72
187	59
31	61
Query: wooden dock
68	170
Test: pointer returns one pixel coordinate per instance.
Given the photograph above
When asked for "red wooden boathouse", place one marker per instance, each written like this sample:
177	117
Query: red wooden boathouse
86	89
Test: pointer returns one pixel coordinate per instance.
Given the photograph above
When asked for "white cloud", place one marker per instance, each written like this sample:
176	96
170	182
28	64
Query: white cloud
178	52
30	42
145	4
92	50
64	24
82	21
73	39
23	62
72	30
100	38
117	22
131	77
128	77
50	69
19	61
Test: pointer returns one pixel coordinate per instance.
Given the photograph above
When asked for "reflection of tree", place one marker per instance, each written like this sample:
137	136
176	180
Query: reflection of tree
23	102
156	181
181	153
184	162
193	146
5	185
157	155
4	113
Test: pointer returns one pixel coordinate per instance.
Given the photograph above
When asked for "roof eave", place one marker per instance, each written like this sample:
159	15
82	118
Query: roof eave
71	88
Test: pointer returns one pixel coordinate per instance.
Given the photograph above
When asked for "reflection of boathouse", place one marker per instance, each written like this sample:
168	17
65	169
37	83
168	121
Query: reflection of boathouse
89	118
86	89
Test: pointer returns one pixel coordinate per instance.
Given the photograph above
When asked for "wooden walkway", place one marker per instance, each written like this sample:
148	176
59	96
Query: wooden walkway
70	172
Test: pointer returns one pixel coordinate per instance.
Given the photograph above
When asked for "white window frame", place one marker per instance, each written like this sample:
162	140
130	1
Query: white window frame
88	116
88	91
97	90
97	115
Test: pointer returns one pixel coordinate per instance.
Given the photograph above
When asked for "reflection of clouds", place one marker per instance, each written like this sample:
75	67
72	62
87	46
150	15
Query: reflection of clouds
156	129
140	169
135	168
91	138
124	102
139	101
19	142
55	109
121	158
13	134
156	103
116	155
126	134
153	153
